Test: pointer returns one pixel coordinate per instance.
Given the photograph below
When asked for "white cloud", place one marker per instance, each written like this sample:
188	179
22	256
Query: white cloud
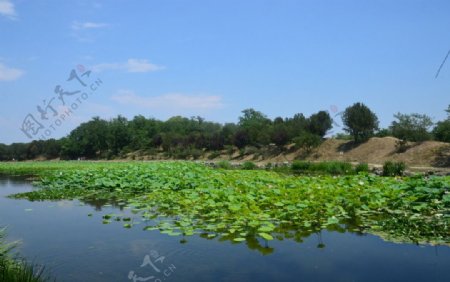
87	25
8	74
170	101
7	9
132	65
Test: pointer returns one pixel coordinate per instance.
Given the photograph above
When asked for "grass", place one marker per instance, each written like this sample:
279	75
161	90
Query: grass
15	269
331	167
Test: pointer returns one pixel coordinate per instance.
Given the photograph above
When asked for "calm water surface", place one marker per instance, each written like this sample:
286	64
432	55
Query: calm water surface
78	247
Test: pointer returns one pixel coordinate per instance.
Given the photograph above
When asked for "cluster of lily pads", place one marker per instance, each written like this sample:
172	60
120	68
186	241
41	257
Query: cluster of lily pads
185	198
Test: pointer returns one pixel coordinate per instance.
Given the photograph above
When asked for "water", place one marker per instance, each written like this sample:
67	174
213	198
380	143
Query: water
76	247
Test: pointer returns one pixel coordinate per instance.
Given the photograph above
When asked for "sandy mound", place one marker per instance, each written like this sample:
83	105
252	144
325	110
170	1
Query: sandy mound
378	150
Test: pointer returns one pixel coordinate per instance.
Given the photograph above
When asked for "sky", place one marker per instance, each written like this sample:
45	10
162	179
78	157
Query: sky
64	62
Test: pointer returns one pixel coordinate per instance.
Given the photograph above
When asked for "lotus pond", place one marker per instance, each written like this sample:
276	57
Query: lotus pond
102	221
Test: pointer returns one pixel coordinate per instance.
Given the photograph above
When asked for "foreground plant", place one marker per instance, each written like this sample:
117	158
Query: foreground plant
15	269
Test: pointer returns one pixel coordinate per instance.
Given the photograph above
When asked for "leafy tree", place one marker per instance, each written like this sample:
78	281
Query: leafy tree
413	127
88	140
442	130
228	132
320	123
241	138
383	132
256	124
296	125
279	134
4	156
307	141
118	134
360	122
18	151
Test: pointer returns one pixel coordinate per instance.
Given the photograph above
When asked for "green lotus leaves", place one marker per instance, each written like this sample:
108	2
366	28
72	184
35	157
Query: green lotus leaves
185	198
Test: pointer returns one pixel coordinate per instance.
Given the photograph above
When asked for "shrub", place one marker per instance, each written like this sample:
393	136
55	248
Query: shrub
362	167
334	167
442	131
300	166
401	146
323	167
229	149
224	165
342	136
414	127
196	153
307	141
213	155
250	150
248	165
393	168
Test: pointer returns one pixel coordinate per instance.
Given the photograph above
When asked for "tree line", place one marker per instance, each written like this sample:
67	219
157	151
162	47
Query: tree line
182	137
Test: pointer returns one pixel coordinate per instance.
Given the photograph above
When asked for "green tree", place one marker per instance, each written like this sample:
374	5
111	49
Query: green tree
413	127
88	140
442	130
320	123
307	141
360	122
296	125
279	134
256	124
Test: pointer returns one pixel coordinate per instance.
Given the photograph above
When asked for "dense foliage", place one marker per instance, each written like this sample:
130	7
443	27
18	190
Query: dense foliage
442	130
184	198
187	138
178	137
360	122
413	127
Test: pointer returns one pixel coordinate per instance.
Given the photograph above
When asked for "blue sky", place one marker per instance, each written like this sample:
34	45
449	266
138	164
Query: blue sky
216	58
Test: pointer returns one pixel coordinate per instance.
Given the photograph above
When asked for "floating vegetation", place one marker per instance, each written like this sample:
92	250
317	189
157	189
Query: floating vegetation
185	198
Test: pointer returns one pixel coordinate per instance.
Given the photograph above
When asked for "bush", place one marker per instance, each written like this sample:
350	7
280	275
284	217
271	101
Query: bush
362	167
342	136
249	165
250	150
268	166
442	131
307	141
323	167
196	153
213	155
393	168
334	167
401	146
413	127
224	165
300	166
